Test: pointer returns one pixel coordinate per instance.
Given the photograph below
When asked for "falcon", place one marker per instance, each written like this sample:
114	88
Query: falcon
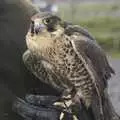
68	58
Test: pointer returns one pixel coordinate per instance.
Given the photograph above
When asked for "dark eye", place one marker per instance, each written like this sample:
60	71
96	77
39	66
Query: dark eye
32	27
47	21
32	22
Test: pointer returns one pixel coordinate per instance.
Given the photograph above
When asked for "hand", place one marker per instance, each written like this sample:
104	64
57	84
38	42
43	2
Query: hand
35	111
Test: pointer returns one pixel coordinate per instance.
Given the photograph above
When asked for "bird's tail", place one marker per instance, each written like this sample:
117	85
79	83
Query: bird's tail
107	108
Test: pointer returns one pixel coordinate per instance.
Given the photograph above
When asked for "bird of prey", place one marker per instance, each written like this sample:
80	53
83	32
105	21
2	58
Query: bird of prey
68	58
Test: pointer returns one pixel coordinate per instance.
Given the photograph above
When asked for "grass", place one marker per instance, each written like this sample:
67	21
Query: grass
101	19
114	54
105	29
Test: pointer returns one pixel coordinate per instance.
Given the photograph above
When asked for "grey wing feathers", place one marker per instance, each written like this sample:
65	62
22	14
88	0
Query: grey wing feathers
97	62
30	63
71	29
88	46
44	74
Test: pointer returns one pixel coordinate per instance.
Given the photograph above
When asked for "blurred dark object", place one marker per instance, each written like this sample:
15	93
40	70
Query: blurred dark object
15	80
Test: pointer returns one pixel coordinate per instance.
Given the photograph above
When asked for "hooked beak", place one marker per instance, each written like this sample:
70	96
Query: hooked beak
36	28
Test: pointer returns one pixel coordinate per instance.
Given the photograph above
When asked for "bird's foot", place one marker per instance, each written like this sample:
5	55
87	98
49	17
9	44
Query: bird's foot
64	103
77	99
81	100
67	112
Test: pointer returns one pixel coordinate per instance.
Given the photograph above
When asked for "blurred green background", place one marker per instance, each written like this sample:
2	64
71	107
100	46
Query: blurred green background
102	19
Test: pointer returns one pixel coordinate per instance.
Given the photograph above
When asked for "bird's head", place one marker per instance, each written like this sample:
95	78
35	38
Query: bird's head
44	29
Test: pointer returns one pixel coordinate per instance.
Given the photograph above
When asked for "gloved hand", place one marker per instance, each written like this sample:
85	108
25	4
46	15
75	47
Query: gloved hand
36	107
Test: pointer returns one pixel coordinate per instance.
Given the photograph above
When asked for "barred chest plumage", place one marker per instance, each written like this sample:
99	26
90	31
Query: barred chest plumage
64	60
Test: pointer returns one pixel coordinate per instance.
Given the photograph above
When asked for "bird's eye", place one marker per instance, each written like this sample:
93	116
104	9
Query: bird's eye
46	21
32	27
32	22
